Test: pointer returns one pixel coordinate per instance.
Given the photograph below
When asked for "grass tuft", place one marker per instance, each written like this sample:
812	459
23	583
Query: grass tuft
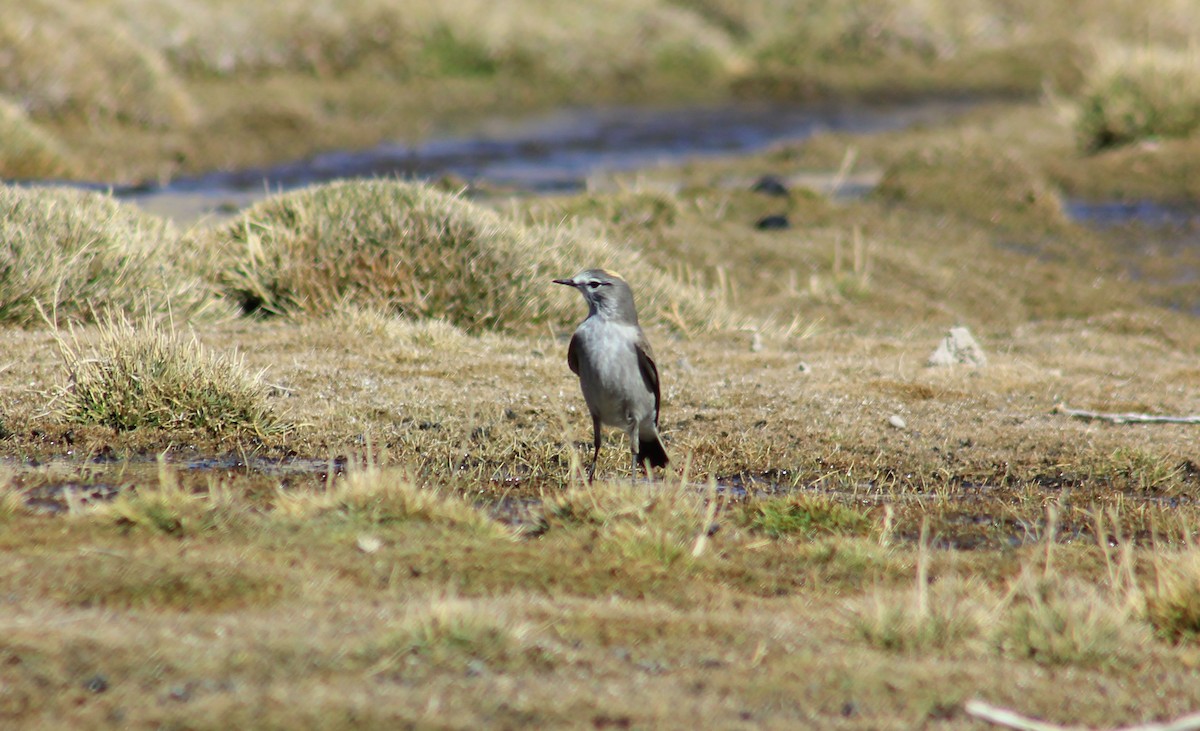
1139	94
70	254
69	61
143	376
1172	605
414	250
169	509
662	525
937	617
388	495
1060	621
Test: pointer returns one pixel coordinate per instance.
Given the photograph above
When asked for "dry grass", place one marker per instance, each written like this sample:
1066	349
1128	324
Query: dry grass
68	254
420	549
28	151
1172	602
1140	94
73	63
375	495
421	253
144	376
150	89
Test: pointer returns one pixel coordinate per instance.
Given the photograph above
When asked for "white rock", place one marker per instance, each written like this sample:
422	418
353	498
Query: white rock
958	348
368	544
895	420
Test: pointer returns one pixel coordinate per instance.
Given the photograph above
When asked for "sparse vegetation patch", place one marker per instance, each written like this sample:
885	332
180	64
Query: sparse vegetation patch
805	516
146	376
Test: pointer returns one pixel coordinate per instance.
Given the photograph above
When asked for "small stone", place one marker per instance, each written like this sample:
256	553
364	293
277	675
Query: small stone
958	348
804	367
475	668
96	684
896	421
756	343
368	544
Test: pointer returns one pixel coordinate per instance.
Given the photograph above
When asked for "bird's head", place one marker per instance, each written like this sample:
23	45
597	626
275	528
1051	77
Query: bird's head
605	292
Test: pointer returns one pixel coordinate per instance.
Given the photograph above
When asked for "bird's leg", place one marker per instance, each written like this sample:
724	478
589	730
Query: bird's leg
633	447
596	442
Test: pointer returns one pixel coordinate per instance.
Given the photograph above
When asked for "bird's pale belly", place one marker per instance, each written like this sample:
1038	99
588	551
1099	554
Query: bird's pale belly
614	387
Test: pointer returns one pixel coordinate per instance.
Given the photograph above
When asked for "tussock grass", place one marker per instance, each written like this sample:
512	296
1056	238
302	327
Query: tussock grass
145	376
1059	620
69	254
222	38
67	60
1172	602
462	39
415	250
590	42
388	495
29	151
1144	469
942	617
168	508
1135	94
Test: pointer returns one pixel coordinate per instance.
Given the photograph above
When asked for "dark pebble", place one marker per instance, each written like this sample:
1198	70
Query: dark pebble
770	185
772	223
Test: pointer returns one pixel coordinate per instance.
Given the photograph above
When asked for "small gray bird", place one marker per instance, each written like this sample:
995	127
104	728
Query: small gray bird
610	354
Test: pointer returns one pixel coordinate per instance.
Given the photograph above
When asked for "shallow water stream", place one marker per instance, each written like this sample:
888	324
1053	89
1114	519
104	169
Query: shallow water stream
553	152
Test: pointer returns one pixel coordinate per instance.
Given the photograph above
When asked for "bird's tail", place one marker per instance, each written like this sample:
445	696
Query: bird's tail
651	450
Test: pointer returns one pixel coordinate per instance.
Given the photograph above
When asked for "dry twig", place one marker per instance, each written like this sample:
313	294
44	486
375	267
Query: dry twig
1129	418
1004	717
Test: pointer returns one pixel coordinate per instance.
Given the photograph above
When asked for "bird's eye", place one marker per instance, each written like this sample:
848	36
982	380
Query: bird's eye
593	284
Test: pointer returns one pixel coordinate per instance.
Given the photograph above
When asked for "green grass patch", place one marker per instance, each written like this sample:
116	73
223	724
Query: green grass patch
145	376
803	515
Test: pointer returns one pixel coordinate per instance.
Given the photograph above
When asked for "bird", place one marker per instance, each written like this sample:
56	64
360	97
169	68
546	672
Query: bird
616	369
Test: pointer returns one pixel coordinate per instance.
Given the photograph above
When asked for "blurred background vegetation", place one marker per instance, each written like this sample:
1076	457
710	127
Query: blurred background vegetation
123	90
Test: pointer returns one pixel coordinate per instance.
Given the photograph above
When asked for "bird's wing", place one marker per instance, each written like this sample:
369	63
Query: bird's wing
573	355
645	359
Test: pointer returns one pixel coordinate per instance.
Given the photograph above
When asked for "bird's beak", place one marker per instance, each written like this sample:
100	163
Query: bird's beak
568	282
